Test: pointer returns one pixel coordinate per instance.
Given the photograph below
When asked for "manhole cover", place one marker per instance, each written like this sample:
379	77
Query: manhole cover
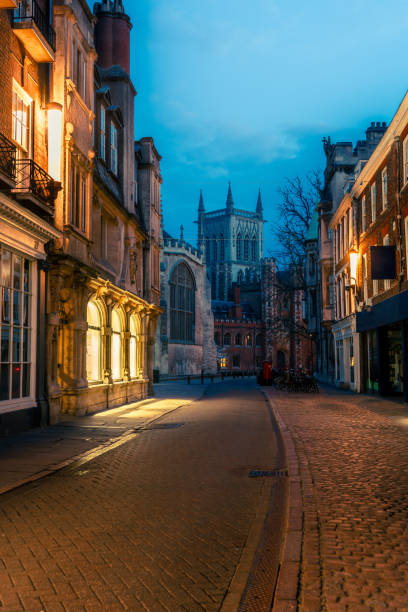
268	473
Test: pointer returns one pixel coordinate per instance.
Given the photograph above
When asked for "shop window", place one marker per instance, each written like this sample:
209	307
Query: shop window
116	346
238	339
182	304
133	350
93	343
15	326
227	339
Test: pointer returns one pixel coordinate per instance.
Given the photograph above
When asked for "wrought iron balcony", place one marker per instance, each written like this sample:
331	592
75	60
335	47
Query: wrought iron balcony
35	186
7	161
31	26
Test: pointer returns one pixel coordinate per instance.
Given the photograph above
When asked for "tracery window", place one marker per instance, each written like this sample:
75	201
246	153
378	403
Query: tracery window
254	248
93	343
222	247
239	246
246	248
182	304
214	246
133	360
116	346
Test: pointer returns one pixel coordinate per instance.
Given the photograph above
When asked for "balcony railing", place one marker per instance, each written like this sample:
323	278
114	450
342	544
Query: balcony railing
29	16
7	158
32	180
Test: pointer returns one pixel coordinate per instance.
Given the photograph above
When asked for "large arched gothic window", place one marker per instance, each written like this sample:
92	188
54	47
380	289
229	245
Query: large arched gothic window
93	343
239	247
254	249
116	347
214	246
246	248
133	360
182	304
222	247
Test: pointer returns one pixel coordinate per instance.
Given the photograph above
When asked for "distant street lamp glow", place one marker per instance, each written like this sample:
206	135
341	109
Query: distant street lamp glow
54	111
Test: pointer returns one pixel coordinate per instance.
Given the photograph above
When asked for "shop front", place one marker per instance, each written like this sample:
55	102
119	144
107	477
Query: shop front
384	331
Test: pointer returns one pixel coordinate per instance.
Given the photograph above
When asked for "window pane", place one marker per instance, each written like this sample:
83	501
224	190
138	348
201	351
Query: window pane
15	382
26	275
116	356
16	345
4	381
5	343
17	272
93	354
5	268
132	357
6	306
16	307
26	380
26	311
26	348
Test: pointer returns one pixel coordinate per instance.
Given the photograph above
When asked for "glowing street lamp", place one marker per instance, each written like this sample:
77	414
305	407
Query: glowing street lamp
54	112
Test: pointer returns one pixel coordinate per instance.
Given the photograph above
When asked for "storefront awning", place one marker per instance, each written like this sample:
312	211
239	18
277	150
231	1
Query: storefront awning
389	311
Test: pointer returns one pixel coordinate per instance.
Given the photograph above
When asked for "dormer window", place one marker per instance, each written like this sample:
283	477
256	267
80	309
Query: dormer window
114	149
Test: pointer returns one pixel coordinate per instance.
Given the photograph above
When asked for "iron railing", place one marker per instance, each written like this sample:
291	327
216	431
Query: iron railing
31	178
7	157
30	11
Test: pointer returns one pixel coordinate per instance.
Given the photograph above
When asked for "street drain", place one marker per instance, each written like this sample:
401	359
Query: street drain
268	473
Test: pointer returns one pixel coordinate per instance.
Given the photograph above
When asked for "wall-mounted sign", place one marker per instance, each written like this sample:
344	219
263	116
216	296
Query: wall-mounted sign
383	262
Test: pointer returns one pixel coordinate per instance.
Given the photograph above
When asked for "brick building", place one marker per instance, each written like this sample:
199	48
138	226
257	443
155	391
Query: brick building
371	241
28	188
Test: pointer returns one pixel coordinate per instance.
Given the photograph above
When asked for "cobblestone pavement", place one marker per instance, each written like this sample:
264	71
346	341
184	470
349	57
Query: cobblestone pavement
352	457
159	523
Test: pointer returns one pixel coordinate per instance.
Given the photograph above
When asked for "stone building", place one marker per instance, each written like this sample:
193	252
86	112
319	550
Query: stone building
185	336
29	184
103	303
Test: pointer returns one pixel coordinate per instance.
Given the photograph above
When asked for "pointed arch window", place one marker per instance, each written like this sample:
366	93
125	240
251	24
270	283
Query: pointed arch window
214	246
222	248
239	246
246	248
254	248
133	349
116	347
93	343
182	305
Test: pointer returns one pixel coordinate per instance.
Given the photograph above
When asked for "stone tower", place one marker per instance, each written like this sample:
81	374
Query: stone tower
232	240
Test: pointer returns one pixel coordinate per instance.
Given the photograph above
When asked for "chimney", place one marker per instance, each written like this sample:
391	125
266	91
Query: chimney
112	34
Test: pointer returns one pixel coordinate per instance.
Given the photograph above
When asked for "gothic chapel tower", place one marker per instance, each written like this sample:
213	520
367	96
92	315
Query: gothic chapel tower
232	240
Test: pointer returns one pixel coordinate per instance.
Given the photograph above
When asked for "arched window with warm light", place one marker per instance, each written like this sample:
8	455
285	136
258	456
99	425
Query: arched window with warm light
248	339
182	304
133	360
116	347
93	343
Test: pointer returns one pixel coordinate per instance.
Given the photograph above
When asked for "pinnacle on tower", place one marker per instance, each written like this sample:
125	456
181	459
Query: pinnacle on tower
230	201
259	207
201	202
181	233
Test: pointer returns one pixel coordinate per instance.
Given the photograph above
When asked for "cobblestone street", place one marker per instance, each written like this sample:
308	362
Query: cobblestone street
352	459
159	523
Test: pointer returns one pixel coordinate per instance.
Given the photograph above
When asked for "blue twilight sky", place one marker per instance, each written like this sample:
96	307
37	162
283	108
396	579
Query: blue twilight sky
245	90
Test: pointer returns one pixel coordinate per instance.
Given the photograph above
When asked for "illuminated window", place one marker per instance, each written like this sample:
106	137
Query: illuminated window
223	362
15	326
114	149
133	361
248	340
93	343
116	347
21	118
182	304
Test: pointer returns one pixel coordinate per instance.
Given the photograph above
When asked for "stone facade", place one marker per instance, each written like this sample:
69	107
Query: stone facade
177	356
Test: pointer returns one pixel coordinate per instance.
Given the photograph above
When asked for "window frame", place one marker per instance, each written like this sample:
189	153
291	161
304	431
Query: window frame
363	214
182	305
384	188
102	132
114	148
19	93
98	334
373	192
